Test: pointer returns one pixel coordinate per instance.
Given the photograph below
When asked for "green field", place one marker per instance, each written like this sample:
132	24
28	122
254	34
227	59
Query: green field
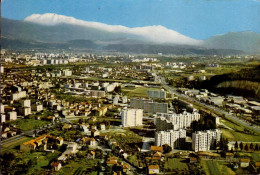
43	161
254	156
137	92
29	124
213	167
78	166
175	163
238	136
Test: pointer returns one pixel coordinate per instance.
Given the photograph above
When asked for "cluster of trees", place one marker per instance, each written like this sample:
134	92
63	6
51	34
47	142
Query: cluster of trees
166	148
246	147
205	123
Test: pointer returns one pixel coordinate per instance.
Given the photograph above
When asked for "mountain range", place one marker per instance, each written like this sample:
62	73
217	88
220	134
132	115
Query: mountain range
58	31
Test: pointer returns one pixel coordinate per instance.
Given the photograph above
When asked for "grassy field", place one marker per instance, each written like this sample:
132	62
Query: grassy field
29	124
43	160
137	92
238	136
212	167
78	166
174	163
254	156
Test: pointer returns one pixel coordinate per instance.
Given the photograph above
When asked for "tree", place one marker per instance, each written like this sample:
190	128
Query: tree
256	147
241	146
166	148
251	146
99	154
236	146
246	147
118	89
80	121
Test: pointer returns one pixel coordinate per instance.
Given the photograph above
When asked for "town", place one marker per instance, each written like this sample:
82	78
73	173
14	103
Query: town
114	113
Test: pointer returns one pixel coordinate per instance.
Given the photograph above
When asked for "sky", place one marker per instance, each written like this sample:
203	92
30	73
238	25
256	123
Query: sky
198	19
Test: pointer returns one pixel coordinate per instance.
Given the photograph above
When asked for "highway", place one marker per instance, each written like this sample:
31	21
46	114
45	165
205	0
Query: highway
212	108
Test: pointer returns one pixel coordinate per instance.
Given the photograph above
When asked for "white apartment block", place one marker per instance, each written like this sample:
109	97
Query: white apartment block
132	117
37	107
2	108
67	72
149	106
2	69
179	121
3	118
25	111
173	138
116	99
12	115
26	103
138	103
124	99
205	140
156	94
18	95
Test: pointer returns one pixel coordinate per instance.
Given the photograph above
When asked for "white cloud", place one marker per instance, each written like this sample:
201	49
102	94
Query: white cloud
158	34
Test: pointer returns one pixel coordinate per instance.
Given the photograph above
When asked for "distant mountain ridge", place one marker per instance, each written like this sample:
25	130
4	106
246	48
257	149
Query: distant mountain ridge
247	41
92	35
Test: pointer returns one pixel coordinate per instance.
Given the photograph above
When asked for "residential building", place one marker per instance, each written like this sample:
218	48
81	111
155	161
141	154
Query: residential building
26	103
175	139
156	94
149	106
205	140
12	115
154	169
164	121
132	117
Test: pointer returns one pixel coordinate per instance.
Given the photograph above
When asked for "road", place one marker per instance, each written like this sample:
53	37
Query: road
212	108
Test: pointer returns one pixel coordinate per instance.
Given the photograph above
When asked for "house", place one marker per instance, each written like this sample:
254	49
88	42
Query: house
59	141
71	149
157	156
154	169
66	126
257	167
92	142
229	156
11	133
244	163
4	135
94	127
112	161
84	128
101	111
41	141
102	126
56	165
193	160
91	155
126	167
157	148
94	133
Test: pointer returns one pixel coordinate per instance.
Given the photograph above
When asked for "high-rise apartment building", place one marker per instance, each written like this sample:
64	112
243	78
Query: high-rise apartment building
175	139
149	106
179	121
205	140
132	117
